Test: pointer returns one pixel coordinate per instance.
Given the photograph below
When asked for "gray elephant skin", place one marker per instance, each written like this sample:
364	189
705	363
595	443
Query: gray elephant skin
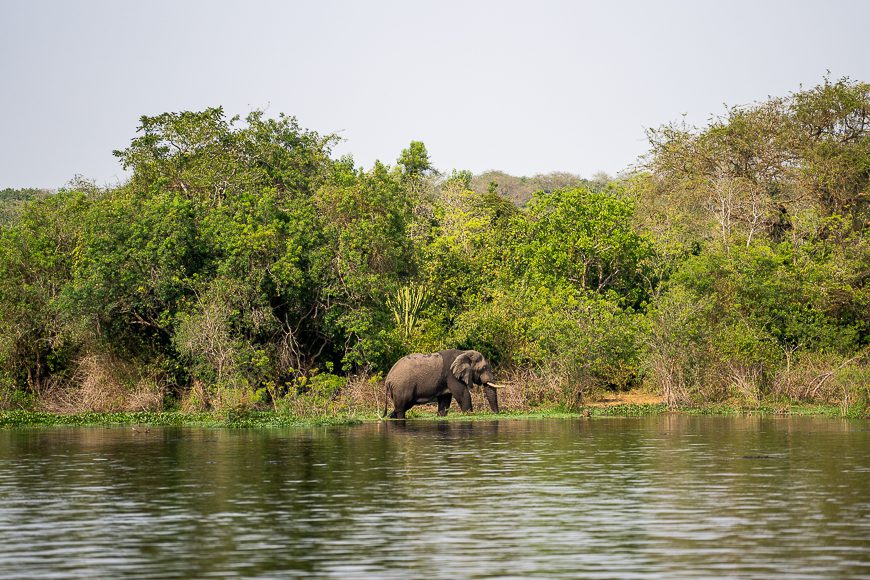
423	378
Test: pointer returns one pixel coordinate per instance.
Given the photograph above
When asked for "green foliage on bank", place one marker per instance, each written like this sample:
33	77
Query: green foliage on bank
243	266
139	421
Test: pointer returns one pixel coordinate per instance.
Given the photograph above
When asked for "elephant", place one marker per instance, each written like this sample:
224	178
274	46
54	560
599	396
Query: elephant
423	378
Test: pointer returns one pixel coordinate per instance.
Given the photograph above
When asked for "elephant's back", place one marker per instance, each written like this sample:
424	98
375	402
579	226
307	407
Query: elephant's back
415	364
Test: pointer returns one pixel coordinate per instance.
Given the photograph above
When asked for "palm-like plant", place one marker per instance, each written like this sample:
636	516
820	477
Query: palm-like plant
406	306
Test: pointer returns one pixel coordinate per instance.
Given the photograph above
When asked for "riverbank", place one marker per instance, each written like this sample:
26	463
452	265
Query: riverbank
269	419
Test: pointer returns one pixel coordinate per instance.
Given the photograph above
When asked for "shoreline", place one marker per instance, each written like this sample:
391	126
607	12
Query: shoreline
272	419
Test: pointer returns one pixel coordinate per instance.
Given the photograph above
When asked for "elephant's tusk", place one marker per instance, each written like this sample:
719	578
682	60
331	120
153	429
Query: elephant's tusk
497	386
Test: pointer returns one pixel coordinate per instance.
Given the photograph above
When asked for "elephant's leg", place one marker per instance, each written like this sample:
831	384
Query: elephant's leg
461	392
399	408
444	404
401	402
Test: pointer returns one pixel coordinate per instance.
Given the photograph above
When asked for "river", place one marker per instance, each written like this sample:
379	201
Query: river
652	497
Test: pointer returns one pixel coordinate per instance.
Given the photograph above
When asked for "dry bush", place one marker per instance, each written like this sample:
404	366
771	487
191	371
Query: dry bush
104	384
553	386
147	395
667	378
746	383
196	398
823	378
703	377
364	393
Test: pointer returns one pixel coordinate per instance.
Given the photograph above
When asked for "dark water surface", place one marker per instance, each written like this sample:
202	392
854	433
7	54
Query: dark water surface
647	497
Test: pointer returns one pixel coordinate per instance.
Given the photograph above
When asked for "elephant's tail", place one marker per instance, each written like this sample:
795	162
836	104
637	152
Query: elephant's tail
387	391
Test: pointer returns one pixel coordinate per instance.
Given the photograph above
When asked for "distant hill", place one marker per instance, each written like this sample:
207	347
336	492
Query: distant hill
520	189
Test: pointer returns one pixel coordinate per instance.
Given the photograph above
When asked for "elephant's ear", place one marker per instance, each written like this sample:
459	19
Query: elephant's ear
461	367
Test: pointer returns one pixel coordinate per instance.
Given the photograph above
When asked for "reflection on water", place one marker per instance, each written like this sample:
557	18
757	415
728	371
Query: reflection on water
649	497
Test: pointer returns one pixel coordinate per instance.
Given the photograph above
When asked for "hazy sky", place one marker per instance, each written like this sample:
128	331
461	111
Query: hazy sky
525	87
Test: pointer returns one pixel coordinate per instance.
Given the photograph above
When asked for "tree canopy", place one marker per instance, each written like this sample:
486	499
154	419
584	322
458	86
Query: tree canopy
243	257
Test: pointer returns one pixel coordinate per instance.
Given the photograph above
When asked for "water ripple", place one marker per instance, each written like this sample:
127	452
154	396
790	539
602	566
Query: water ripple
659	497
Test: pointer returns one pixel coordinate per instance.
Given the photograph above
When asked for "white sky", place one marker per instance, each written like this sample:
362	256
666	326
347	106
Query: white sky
525	87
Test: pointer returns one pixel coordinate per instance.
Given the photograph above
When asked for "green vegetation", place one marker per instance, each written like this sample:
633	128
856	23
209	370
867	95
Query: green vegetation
12	201
251	418
244	419
242	268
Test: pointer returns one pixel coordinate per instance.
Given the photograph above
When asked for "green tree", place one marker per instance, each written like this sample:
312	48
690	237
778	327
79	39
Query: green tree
587	240
365	215
37	255
414	160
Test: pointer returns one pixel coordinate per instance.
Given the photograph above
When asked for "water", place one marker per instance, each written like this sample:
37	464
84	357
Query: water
655	497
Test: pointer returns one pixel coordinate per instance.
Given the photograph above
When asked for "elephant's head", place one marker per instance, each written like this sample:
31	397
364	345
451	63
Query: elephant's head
472	368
